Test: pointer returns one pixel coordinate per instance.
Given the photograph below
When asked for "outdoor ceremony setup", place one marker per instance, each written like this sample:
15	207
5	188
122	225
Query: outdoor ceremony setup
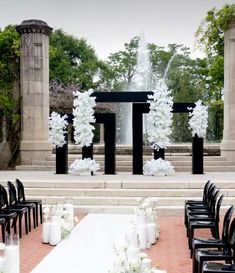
97	207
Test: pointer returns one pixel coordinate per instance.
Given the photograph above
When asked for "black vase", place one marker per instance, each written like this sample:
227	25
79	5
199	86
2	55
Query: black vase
62	159
197	155
159	154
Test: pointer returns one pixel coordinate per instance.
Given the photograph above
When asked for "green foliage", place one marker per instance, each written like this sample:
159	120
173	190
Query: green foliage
9	75
72	60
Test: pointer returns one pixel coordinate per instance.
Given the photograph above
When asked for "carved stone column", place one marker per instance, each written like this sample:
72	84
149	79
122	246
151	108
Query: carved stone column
34	80
228	143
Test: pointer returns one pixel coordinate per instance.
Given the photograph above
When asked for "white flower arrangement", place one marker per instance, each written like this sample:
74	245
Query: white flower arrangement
65	212
84	165
159	119
198	121
57	129
147	207
122	263
83	112
158	166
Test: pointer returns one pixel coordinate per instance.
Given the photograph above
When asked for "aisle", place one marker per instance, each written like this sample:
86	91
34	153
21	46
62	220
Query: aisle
89	247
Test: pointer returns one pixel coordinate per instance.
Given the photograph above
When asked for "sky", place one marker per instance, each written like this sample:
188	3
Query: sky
108	24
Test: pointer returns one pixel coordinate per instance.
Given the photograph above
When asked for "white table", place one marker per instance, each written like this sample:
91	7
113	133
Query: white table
89	249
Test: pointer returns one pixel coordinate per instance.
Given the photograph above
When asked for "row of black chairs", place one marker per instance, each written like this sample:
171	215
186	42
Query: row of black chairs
205	214
14	207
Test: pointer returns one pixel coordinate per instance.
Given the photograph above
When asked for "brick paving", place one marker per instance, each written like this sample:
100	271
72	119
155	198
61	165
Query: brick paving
170	252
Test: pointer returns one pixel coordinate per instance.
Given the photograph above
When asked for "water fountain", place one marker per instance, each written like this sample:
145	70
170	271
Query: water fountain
141	82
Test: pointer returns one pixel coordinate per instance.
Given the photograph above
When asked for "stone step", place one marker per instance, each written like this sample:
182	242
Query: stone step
180	157
220	167
121	201
193	193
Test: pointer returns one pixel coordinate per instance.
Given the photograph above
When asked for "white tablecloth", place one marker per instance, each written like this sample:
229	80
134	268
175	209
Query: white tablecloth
89	249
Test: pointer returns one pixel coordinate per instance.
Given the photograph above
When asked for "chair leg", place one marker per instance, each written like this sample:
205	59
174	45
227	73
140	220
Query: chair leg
195	264
40	206
3	232
29	216
26	222
37	208
34	218
20	225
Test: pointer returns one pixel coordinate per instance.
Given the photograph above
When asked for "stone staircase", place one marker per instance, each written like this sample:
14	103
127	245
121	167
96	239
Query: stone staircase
179	155
104	194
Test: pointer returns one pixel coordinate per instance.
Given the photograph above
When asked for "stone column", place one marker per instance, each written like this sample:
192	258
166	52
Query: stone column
34	82
228	143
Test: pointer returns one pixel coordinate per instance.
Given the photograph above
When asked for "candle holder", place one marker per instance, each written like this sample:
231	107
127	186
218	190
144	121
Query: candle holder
12	254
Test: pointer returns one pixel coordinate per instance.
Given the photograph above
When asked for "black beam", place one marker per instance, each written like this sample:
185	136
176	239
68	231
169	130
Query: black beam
137	136
159	154
109	121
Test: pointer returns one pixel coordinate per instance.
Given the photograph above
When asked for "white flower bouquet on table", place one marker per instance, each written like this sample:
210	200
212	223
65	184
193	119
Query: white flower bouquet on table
57	129
198	121
83	112
159	119
84	165
158	166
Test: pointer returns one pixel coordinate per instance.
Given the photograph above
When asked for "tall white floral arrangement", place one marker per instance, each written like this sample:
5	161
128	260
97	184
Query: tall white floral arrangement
57	129
83	112
198	121
159	119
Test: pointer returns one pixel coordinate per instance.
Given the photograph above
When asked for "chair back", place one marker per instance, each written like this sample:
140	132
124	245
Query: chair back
20	190
212	202
218	205
3	198
231	240
226	223
12	193
205	191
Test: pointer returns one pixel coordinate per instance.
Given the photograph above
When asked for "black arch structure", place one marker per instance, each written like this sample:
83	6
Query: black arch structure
139	107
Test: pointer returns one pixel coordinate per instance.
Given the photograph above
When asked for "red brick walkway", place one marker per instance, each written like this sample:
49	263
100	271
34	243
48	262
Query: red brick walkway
170	252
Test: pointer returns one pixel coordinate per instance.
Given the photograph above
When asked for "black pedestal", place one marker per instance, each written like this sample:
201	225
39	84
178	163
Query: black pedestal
197	155
62	159
87	152
159	154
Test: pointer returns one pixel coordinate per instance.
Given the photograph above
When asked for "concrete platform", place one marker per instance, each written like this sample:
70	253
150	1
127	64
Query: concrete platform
119	193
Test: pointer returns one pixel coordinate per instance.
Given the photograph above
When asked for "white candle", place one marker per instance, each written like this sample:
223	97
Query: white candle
141	219
46	232
146	264
55	233
151	233
2	262
143	236
132	252
12	256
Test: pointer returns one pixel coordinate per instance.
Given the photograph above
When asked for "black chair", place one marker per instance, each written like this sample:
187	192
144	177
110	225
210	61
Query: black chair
31	207
9	215
21	199
20	211
226	254
3	226
203	214
213	224
212	242
212	267
202	208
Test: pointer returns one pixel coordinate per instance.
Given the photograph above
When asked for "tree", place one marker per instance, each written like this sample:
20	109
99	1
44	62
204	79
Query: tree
210	37
72	60
9	103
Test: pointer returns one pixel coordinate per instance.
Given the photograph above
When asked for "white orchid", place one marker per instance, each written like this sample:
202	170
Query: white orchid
84	165
198	121
159	119
83	112
57	129
158	166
